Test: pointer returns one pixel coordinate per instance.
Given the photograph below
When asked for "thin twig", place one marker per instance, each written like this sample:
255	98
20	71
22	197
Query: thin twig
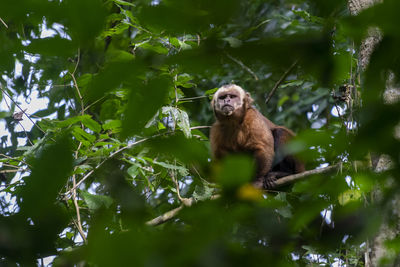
77	61
283	77
90	105
8	171
75	200
192	98
79	93
26	134
74	184
9	165
185	201
176	90
243	66
23	111
200	127
11	158
2	21
76	84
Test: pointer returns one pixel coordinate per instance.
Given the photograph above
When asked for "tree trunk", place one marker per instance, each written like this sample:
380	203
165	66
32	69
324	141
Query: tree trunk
376	250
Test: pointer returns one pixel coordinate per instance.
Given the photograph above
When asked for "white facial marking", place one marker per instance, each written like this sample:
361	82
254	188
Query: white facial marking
225	88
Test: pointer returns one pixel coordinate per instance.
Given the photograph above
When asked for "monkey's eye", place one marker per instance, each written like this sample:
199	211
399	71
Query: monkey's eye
222	97
232	96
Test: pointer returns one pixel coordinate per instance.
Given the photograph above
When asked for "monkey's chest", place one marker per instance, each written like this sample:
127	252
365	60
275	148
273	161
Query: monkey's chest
236	142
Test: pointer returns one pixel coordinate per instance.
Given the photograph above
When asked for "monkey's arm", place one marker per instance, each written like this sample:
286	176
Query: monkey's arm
264	155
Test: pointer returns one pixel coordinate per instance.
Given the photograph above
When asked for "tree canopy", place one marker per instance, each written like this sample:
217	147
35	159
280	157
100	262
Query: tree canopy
115	169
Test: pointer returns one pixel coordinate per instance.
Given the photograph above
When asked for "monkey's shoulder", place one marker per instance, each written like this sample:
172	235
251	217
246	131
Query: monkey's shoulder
255	121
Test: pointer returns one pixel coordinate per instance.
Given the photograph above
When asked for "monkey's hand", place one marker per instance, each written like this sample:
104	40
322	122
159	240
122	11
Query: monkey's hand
269	180
271	177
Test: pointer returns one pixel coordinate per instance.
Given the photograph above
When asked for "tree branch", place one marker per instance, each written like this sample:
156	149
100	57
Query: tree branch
165	217
2	21
280	182
283	77
75	199
243	66
300	176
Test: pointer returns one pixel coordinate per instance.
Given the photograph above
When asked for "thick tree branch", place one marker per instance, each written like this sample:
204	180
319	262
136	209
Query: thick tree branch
300	176
280	182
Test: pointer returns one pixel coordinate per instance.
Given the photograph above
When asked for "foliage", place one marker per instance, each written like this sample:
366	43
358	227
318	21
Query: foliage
122	140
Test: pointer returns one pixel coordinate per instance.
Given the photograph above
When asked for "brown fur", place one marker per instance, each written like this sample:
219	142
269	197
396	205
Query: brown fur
246	130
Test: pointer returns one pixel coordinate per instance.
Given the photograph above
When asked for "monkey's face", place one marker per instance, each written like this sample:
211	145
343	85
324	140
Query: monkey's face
228	101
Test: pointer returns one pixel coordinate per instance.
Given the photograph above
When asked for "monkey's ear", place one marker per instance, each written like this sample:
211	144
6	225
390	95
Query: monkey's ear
248	100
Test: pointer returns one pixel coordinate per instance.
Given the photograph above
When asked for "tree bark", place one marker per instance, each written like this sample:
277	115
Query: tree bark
376	250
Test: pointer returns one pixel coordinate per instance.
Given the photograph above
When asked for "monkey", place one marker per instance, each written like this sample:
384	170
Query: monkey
240	128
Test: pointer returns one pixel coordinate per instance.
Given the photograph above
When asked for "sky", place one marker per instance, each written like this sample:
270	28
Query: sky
33	103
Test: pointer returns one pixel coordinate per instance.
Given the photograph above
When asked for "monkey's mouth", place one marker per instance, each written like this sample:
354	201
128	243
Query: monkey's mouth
227	106
227	109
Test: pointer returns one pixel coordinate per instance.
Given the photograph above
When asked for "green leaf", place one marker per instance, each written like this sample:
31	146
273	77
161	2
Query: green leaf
183	80
54	46
157	47
134	170
180	117
203	192
211	92
233	42
124	3
182	170
70	235
285	211
83	168
144	101
184	45
117	30
85	119
94	202
283	100
91	124
348	196
84	19
83	136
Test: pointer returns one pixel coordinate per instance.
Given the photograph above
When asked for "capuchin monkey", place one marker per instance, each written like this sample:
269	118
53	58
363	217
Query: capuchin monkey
240	128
